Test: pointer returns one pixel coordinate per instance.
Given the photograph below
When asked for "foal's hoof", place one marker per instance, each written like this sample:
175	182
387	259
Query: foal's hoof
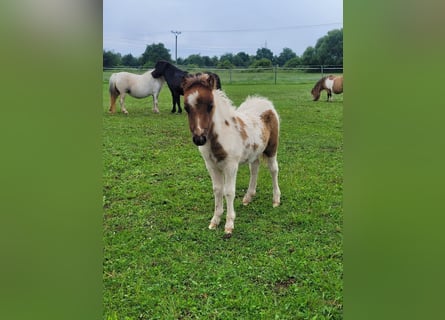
275	204
212	226
227	235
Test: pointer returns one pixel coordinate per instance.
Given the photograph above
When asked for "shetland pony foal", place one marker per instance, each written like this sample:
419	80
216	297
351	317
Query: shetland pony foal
136	85
330	84
227	137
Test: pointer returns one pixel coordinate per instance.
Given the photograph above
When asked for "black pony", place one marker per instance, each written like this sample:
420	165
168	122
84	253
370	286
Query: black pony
173	76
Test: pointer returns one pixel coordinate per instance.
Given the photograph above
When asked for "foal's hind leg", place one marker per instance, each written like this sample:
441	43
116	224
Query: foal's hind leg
122	102
254	166
273	167
112	103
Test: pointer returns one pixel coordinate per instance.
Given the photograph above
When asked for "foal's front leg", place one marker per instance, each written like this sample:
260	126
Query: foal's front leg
229	192
218	184
174	103
329	95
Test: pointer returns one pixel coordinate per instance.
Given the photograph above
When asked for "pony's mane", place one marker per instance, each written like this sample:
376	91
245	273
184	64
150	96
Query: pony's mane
319	84
222	101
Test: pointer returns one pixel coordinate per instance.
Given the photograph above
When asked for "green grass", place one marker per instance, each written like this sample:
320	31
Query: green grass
161	261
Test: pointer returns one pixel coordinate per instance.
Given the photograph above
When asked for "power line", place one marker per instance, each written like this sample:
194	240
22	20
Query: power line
266	29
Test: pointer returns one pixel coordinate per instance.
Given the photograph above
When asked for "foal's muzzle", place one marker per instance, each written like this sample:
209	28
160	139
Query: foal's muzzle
199	140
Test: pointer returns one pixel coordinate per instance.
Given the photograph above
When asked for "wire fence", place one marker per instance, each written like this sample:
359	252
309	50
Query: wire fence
274	75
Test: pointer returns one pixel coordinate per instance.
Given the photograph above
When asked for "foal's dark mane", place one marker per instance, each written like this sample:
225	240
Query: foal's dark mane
319	85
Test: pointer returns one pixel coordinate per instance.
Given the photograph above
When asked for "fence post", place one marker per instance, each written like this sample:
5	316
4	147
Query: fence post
276	70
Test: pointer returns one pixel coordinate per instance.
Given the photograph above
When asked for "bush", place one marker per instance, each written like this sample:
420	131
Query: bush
261	63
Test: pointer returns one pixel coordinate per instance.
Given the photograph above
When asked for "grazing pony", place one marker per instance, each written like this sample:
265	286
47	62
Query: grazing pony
330	84
136	85
173	76
227	137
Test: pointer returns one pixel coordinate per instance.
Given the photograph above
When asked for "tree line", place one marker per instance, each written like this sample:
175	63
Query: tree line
328	50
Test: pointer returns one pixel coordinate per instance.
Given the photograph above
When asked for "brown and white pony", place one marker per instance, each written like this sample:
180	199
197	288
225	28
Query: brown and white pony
330	84
227	137
136	85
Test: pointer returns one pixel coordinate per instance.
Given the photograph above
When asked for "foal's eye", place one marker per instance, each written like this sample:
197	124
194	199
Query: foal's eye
209	107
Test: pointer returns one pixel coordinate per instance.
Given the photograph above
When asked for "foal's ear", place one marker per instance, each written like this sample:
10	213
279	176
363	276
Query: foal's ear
184	81
211	80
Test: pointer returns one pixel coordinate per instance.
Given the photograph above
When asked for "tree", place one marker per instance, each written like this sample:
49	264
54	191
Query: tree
224	64
261	63
153	53
129	60
286	55
241	59
227	57
209	62
111	59
194	59
264	53
309	57
329	48
293	63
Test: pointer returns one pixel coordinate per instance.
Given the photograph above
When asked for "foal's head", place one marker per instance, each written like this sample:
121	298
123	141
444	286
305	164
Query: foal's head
316	90
198	102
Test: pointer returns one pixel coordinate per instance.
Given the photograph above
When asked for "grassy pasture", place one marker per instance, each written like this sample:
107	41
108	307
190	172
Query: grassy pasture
161	261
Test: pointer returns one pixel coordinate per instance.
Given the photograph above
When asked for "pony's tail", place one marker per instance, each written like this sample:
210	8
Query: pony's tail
114	93
113	90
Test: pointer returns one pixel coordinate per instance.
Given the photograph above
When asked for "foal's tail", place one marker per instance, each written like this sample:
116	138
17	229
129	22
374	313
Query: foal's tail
114	93
113	90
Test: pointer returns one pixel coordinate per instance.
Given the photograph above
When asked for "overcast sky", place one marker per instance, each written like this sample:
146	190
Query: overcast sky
212	28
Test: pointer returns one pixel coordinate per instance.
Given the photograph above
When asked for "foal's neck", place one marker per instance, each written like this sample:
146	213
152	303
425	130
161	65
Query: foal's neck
224	107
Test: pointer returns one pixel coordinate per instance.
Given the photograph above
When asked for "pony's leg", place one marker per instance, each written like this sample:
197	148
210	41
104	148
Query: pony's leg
218	185
254	166
112	103
273	167
179	104
122	102
174	103
229	193
155	103
329	95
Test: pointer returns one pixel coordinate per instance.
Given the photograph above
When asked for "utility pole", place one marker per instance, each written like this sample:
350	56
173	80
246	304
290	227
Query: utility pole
176	33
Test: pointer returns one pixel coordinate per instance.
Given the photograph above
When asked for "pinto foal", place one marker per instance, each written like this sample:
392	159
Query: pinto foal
227	137
332	84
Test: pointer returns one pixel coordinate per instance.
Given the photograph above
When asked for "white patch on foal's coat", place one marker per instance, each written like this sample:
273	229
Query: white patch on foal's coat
192	100
329	83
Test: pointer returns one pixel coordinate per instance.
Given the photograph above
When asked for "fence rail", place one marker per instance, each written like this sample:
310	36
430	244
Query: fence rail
274	75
